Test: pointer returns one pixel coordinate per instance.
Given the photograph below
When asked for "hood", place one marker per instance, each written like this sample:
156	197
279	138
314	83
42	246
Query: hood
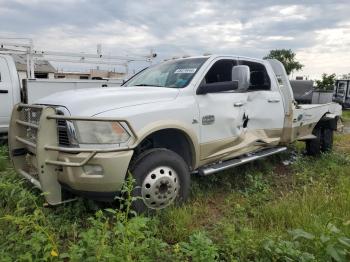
92	101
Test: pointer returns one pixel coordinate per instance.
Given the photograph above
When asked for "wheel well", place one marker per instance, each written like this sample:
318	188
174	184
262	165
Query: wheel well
326	122
172	139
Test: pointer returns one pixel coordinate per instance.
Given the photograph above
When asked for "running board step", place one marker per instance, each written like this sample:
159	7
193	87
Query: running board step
240	161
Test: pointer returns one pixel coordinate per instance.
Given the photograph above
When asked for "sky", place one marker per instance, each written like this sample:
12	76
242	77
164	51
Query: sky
318	31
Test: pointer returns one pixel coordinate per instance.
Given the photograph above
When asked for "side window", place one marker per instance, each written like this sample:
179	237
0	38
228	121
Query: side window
259	78
221	71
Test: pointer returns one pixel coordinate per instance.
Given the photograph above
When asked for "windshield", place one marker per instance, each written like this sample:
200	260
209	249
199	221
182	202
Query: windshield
176	74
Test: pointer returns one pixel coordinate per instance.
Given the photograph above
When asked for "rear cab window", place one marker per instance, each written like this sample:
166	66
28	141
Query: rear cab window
259	77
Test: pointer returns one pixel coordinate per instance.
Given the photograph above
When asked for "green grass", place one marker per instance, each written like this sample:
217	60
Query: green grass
346	115
264	211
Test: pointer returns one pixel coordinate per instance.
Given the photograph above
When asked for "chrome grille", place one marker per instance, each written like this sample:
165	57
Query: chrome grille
63	139
62	131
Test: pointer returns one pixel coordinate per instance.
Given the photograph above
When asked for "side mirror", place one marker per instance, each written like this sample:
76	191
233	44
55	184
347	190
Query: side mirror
241	74
217	87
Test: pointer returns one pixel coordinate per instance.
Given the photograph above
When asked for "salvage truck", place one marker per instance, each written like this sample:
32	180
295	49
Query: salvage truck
180	118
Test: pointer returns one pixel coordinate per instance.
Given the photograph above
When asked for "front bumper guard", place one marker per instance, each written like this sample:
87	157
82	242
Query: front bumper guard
43	146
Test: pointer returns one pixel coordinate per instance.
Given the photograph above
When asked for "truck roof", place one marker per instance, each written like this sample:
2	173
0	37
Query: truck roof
216	56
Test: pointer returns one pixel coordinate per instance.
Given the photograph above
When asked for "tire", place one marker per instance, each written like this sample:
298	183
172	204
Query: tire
162	177
327	140
313	146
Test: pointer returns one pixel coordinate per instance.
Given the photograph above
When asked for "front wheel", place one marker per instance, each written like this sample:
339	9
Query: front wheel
162	178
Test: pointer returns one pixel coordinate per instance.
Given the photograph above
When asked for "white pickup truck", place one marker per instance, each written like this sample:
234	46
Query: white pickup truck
13	92
197	115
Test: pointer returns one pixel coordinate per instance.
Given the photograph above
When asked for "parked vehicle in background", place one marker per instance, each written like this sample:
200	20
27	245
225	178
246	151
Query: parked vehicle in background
341	93
13	92
196	115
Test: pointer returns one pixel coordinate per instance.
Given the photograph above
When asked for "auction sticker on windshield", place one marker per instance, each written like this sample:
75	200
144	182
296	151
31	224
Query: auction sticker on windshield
185	71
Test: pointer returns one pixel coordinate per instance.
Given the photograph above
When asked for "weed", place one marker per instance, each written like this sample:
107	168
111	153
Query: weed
34	232
330	243
199	248
3	159
284	250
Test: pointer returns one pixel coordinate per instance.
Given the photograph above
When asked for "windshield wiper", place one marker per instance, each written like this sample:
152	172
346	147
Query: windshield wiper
148	85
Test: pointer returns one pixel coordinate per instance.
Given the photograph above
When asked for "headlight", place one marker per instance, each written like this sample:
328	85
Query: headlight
101	132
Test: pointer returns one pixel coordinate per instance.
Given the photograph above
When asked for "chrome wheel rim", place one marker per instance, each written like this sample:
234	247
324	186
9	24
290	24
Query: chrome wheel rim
160	187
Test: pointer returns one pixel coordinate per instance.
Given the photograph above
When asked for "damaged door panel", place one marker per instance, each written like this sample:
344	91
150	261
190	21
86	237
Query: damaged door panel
225	129
221	113
264	109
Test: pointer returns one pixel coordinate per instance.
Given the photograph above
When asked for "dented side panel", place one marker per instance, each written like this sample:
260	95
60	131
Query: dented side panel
221	121
306	117
265	111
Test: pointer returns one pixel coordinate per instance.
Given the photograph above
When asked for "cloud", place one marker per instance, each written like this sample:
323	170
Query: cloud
318	31
330	54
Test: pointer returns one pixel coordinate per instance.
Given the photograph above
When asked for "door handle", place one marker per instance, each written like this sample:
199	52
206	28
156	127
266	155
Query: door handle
273	100
238	104
4	91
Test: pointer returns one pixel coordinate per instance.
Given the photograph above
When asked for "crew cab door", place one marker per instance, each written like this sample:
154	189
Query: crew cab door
264	108
221	114
6	100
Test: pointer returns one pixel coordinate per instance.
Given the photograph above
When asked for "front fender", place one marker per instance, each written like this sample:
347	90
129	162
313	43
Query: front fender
171	124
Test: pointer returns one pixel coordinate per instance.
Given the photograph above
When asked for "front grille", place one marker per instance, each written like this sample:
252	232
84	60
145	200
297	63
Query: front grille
63	138
62	131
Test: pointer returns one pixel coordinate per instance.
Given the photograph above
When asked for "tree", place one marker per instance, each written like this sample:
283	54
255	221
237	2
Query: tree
287	58
326	83
345	76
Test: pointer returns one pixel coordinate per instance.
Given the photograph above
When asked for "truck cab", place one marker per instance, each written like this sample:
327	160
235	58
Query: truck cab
196	115
9	91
